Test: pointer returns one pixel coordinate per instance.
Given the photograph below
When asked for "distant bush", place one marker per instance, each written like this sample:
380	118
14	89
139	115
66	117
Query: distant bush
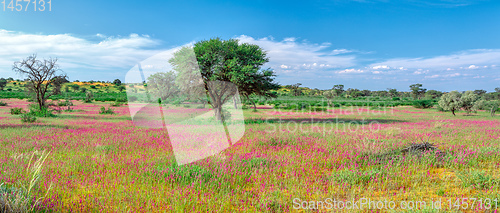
3	103
28	118
116	104
122	100
423	104
16	111
396	98
132	99
440	109
106	111
89	96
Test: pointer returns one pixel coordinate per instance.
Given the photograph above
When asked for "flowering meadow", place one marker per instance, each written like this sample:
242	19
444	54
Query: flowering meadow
104	163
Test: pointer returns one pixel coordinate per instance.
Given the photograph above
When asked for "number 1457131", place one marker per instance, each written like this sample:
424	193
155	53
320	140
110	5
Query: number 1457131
27	5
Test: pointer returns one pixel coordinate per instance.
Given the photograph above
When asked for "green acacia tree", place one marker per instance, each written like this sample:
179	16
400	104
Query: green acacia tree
492	106
469	101
3	83
162	85
218	60
417	91
451	101
329	95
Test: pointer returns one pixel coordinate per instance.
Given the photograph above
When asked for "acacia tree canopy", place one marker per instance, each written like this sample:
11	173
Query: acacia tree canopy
451	101
226	61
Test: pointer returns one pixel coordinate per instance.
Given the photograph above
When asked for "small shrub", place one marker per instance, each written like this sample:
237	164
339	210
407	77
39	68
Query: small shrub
28	118
423	104
121	100
3	103
106	111
440	109
89	96
16	111
116	104
132	99
44	112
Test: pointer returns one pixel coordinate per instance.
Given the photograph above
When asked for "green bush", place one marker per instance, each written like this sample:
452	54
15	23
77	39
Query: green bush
132	98
122	100
3	103
106	111
423	104
89	96
44	112
440	109
28	118
16	111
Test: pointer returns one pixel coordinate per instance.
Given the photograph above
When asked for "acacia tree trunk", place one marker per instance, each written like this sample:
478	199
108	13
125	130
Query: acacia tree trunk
453	111
218	112
254	105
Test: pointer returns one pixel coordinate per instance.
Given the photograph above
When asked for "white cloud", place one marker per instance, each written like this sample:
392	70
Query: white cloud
453	75
300	56
470	58
75	52
341	51
472	67
351	71
380	67
446	76
432	76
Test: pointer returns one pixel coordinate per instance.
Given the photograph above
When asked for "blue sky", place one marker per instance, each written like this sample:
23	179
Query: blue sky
366	44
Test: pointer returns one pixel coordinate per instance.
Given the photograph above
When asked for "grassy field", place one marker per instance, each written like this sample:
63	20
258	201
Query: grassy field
287	161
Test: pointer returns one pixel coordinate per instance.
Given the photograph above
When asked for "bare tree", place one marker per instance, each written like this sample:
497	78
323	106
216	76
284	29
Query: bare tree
43	77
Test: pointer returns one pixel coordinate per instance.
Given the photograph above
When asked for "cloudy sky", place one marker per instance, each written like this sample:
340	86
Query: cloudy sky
366	44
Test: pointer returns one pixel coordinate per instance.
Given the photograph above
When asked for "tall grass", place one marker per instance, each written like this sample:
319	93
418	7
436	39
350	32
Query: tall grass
21	199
